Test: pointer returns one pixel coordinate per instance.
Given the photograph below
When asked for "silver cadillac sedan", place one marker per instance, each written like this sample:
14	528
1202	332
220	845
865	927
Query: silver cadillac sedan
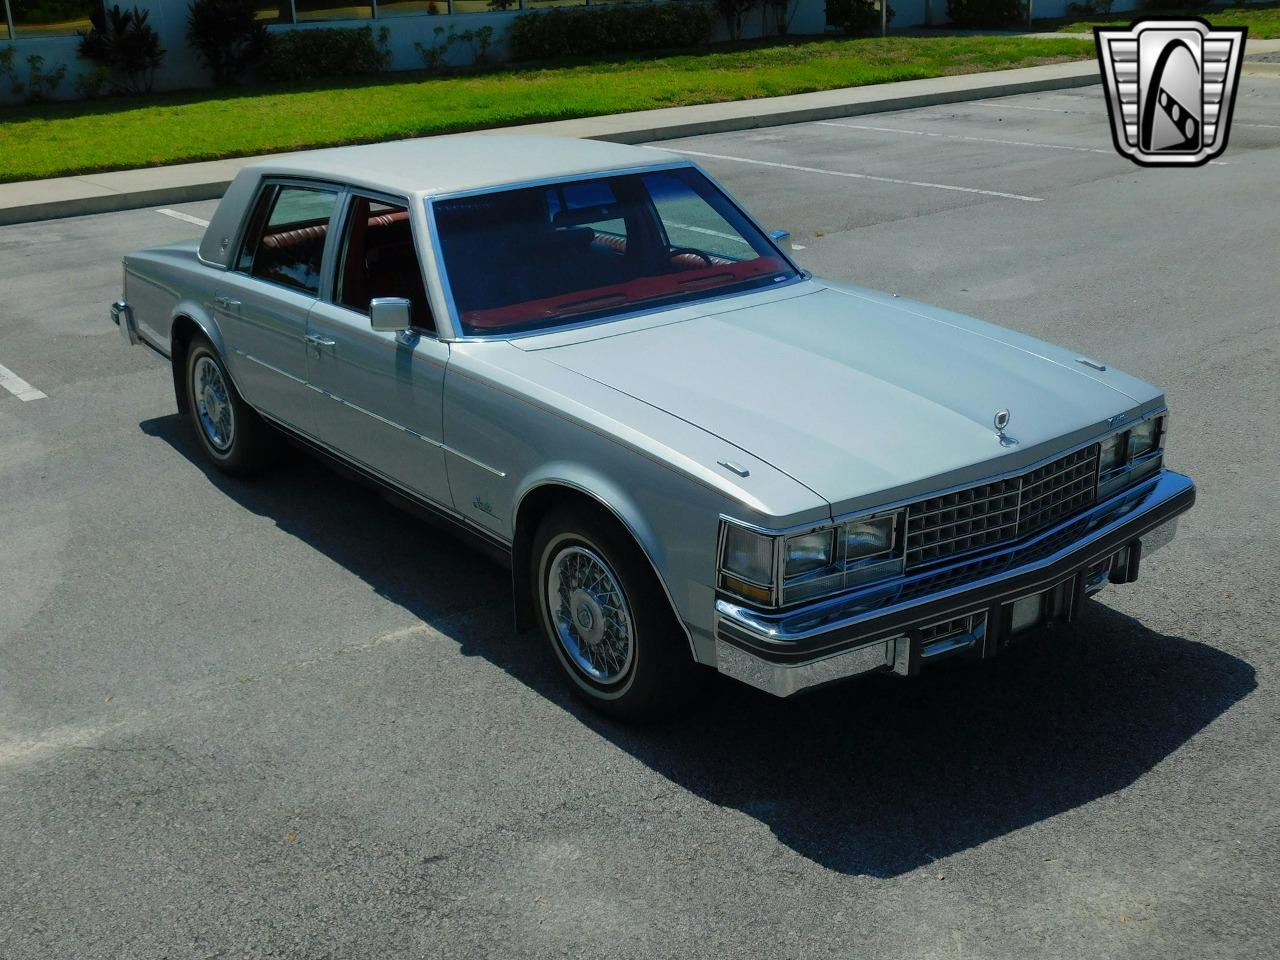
592	362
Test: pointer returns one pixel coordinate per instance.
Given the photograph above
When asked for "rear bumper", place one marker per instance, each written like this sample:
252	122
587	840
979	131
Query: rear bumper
122	317
974	607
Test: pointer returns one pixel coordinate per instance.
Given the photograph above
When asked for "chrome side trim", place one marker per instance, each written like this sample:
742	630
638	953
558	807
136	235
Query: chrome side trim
273	369
439	445
472	460
377	476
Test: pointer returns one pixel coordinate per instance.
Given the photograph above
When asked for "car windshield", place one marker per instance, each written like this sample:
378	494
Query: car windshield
541	257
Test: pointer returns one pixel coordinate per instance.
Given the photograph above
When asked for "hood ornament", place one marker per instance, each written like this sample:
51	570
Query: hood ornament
1000	421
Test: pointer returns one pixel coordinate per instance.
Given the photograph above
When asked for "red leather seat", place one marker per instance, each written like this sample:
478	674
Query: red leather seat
292	238
315	233
682	261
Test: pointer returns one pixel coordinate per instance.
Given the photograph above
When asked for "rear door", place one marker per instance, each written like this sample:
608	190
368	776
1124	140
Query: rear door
263	301
378	397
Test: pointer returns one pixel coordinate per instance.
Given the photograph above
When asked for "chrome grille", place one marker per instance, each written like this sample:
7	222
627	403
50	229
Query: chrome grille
1058	490
1002	510
952	627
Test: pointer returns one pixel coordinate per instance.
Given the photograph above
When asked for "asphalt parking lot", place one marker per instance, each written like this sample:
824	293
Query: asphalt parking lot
280	718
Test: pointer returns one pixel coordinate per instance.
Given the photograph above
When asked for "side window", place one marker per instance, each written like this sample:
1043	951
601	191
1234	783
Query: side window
379	259
285	242
692	222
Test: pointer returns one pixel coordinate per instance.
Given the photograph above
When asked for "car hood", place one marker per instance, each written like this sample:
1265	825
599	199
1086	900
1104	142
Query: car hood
861	397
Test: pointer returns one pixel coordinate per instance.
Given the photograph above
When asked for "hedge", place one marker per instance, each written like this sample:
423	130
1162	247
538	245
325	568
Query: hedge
587	31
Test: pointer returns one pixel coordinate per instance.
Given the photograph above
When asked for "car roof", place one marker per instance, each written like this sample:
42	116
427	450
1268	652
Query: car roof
461	162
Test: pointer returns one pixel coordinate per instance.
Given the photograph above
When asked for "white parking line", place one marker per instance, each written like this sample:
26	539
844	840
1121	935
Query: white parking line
185	217
956	136
19	387
1007	143
853	176
1023	106
708	232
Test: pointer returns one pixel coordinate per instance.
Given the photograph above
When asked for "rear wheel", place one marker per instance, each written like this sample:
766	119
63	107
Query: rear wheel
230	432
606	618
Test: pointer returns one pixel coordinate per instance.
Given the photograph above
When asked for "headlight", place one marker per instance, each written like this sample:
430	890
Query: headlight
812	564
1144	437
1113	452
808	552
748	555
868	538
1130	456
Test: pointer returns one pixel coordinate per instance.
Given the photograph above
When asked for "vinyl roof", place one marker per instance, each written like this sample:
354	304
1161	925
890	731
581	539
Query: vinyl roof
449	164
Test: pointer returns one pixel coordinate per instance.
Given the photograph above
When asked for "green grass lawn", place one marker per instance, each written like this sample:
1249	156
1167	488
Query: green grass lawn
125	132
1263	21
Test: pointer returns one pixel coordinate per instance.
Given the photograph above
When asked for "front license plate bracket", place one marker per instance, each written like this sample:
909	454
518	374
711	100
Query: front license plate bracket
1058	604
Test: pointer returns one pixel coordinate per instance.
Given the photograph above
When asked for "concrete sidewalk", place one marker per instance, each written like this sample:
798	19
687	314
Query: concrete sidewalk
127	189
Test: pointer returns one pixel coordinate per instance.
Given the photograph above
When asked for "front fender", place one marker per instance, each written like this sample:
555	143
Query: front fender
613	497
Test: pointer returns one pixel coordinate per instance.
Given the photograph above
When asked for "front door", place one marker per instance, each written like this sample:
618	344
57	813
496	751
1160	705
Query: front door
262	304
378	397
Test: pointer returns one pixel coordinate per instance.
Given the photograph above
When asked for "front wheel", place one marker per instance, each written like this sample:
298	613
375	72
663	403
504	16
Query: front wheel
230	432
606	618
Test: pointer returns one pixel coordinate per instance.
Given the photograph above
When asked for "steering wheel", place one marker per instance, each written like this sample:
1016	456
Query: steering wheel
676	251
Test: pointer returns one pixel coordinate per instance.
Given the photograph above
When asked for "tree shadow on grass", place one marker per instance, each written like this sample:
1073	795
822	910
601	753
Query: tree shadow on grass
878	776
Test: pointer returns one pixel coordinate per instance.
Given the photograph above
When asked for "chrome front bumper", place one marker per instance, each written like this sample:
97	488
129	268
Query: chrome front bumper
122	317
973	607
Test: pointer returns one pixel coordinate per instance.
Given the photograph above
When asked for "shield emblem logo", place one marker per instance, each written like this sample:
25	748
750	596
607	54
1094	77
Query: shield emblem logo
1171	87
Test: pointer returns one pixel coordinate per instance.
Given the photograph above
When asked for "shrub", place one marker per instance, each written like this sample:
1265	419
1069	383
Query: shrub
1091	8
38	85
94	82
984	13
857	18
315	54
123	44
733	12
228	36
782	11
587	31
436	57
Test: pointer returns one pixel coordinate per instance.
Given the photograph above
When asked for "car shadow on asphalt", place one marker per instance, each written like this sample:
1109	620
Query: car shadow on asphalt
878	776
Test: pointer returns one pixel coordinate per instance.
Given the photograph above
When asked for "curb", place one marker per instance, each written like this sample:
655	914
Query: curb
35	200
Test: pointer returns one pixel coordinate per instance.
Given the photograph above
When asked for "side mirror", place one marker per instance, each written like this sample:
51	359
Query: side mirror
390	314
777	236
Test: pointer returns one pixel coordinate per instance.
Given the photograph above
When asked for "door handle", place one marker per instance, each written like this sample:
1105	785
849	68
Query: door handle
226	303
318	343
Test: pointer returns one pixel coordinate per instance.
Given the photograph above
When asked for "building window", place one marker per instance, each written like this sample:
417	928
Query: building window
273	11
410	8
48	18
310	10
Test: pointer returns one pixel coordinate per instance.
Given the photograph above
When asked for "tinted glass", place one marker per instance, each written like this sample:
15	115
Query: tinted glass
379	260
50	18
332	10
540	257
286	245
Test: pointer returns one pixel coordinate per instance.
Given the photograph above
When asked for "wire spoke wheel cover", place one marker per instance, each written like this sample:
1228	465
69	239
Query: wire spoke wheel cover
590	614
213	405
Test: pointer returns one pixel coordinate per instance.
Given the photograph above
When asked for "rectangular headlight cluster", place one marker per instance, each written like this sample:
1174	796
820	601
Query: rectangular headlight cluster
1130	455
778	569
